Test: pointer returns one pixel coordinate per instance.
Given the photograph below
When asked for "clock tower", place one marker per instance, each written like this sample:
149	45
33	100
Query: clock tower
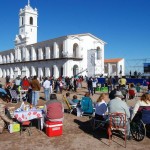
27	26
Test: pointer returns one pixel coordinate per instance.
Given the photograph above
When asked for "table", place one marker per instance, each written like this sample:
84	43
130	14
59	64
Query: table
22	91
22	116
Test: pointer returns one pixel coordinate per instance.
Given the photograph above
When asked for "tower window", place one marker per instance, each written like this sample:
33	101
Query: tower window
31	21
22	20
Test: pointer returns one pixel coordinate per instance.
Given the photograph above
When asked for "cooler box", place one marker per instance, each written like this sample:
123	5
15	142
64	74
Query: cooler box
53	128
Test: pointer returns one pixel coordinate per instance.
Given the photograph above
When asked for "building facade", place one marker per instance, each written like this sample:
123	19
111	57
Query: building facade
114	67
62	56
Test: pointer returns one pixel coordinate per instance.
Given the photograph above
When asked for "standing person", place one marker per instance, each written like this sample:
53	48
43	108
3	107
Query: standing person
109	84
75	84
46	86
25	83
61	85
90	86
123	81
94	84
18	82
35	90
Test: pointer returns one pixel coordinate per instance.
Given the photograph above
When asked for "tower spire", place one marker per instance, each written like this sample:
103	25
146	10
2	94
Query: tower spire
28	2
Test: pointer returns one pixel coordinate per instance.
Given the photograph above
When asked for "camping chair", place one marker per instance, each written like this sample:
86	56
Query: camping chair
70	107
14	96
117	122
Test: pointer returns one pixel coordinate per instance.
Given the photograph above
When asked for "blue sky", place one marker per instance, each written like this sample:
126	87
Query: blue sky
123	24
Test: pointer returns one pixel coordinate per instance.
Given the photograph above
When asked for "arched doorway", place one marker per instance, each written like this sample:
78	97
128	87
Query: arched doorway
75	50
4	73
75	70
1	73
11	73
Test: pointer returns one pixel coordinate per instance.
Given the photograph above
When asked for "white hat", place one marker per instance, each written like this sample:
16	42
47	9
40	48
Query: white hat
119	93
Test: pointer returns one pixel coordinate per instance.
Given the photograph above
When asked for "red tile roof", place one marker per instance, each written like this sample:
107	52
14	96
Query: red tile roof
114	60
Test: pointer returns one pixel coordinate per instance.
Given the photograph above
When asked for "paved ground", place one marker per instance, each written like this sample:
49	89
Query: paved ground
77	134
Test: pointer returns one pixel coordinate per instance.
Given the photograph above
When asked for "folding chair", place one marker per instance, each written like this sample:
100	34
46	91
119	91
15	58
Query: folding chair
118	122
70	107
14	96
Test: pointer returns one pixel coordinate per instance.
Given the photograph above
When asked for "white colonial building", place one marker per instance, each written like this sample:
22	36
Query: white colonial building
114	67
63	56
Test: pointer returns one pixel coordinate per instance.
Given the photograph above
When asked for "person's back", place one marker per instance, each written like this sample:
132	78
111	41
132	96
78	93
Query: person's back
87	105
54	109
35	85
123	81
117	105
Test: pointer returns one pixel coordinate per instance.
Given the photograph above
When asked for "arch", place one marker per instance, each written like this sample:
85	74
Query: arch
4	59
56	71
1	73
11	73
8	72
31	20
27	55
33	54
60	50
98	50
1	59
17	72
33	71
75	50
47	52
40	72
27	72
12	57
4	73
40	54
8	59
75	70
47	72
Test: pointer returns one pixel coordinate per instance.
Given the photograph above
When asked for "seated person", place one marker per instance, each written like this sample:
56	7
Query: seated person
86	104
69	99
3	117
116	105
3	94
75	100
101	107
54	109
144	101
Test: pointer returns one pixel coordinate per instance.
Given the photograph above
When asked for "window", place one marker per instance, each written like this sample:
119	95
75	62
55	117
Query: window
22	22
31	21
98	53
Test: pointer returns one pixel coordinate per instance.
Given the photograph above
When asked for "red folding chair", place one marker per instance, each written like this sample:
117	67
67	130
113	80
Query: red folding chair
117	122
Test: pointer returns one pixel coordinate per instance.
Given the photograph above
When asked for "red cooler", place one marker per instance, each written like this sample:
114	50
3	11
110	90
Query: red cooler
53	128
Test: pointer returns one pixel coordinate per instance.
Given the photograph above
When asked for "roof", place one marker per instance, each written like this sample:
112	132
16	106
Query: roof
113	60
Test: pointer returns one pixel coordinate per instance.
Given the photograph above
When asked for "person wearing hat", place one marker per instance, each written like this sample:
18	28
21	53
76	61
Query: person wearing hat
117	105
54	109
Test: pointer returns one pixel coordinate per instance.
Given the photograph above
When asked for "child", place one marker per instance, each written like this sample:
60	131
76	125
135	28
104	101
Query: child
75	100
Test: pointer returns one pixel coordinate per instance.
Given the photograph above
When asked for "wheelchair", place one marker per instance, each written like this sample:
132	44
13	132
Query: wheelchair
140	125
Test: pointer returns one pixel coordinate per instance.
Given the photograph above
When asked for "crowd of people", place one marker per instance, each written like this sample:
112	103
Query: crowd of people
54	109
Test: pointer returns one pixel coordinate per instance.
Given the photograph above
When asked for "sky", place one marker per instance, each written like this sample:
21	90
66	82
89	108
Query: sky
123	24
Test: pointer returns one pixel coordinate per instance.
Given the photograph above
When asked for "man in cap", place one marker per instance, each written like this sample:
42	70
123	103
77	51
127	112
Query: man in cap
116	105
3	117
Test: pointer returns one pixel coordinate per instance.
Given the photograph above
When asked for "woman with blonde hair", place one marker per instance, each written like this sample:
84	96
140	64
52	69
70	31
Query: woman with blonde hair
144	101
101	107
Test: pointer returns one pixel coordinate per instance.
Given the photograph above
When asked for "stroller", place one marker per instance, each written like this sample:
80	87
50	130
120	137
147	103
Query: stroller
14	96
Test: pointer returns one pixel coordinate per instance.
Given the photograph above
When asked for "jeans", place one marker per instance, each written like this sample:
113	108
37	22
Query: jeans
47	94
35	97
90	90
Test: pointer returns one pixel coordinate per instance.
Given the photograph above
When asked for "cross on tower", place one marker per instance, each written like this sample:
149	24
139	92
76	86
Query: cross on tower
28	2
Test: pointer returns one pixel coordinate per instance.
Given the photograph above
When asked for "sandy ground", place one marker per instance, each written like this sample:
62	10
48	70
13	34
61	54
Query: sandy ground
77	134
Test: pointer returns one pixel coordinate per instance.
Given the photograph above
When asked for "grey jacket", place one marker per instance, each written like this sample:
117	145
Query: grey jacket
117	105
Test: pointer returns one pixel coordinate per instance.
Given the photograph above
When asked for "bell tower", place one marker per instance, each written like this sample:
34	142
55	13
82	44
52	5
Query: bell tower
27	26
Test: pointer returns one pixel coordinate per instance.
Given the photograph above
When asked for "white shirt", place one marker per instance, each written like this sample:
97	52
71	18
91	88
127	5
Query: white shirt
46	84
137	106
